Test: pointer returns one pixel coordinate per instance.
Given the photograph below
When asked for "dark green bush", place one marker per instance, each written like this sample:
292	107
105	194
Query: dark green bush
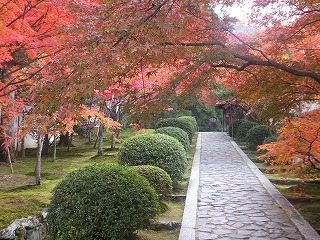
243	130
157	177
180	123
192	120
256	136
158	150
270	139
101	202
203	113
177	133
234	127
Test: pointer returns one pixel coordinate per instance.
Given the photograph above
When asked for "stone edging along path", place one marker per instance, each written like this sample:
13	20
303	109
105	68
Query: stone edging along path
191	229
303	226
189	220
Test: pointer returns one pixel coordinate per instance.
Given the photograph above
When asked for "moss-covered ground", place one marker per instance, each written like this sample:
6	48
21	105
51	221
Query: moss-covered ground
19	197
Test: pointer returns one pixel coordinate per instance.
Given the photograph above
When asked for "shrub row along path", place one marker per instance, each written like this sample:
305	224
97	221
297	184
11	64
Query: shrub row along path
229	198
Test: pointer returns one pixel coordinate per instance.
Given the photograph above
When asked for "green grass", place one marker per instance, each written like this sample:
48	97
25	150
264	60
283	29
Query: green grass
310	212
158	235
174	209
305	197
19	197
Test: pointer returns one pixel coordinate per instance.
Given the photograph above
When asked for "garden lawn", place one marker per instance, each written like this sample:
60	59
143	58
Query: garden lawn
19	197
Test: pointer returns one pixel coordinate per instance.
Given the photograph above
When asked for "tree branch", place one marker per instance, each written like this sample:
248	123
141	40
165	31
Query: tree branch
25	11
250	61
201	44
301	28
154	13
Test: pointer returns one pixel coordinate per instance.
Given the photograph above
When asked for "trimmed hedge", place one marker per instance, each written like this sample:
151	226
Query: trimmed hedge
184	124
159	150
177	133
234	126
256	136
191	120
157	177
243	130
101	202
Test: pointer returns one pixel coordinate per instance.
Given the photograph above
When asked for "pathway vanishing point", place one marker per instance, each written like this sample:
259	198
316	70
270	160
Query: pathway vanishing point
229	198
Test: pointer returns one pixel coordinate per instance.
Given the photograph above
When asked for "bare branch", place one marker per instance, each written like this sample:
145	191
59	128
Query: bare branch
26	10
250	61
202	44
301	28
146	19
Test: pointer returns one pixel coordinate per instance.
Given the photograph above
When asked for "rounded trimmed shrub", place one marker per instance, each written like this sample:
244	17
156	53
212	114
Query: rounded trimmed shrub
234	127
243	130
157	177
159	150
101	202
256	136
177	133
191	120
184	124
270	139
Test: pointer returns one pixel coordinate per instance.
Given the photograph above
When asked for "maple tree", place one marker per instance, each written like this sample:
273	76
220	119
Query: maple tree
155	51
298	147
26	46
287	94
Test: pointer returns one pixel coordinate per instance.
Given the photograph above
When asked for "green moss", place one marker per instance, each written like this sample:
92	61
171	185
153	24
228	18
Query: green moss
310	212
174	211
306	199
20	198
159	235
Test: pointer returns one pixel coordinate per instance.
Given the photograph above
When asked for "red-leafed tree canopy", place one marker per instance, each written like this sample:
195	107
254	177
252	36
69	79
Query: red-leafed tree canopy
55	54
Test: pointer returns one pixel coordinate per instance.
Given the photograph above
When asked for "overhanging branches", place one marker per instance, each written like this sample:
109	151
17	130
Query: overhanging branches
249	61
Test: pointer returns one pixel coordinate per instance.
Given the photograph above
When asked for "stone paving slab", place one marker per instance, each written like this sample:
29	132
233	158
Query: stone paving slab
234	200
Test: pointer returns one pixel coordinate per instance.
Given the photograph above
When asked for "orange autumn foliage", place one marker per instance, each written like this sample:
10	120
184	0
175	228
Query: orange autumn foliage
297	149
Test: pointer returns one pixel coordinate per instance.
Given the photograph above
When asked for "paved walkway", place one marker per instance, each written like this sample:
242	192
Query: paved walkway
229	198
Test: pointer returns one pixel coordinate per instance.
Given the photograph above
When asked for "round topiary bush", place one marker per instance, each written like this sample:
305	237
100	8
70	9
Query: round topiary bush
177	133
243	130
233	127
158	150
101	202
256	136
192	120
184	124
157	177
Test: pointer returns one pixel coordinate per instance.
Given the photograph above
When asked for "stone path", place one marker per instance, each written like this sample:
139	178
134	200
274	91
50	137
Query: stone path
229	198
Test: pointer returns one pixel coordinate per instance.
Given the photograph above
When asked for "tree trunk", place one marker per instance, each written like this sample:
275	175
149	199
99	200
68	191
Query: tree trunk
113	141
100	139
114	136
89	136
23	149
54	148
70	141
96	141
9	160
38	163
46	144
64	139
